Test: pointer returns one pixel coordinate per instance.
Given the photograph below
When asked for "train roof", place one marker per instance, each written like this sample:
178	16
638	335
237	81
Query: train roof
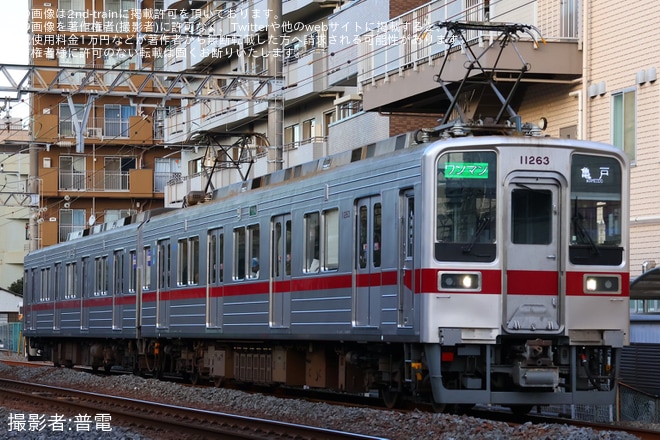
390	146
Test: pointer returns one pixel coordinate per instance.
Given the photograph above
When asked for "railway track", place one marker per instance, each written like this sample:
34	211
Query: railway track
170	421
203	423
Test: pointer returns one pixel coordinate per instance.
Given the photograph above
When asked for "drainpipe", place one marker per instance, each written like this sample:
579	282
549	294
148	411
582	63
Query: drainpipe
583	132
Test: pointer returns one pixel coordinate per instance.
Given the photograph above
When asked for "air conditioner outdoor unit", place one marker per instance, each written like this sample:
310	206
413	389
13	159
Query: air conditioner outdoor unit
95	133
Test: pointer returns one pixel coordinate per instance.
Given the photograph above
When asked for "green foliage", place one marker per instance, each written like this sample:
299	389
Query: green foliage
17	287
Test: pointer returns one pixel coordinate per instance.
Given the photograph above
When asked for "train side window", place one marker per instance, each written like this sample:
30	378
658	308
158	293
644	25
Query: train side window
182	273
85	272
330	239
215	261
101	276
148	261
56	281
71	281
221	257
253	258
164	262
193	244
311	245
239	254
375	256
212	250
45	282
132	272
118	275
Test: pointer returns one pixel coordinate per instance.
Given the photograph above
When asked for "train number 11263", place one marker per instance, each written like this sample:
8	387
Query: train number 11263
534	160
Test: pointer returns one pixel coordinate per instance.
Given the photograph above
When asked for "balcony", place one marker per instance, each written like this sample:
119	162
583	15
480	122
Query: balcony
399	62
132	129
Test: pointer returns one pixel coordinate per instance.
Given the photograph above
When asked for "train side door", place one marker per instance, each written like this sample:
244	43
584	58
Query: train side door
533	276
215	273
280	285
163	262
406	261
366	286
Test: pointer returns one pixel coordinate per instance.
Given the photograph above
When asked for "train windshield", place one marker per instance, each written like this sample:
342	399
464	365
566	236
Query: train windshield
465	206
595	236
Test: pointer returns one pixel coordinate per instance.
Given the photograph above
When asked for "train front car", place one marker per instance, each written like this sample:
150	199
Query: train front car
524	287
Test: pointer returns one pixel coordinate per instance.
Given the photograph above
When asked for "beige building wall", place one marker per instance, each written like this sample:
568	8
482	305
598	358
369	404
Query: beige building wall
620	44
557	102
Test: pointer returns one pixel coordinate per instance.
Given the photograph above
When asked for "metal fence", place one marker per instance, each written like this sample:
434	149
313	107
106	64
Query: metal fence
10	335
638	406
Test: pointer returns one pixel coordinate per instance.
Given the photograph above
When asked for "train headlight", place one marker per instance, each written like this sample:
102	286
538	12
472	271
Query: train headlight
597	283
459	281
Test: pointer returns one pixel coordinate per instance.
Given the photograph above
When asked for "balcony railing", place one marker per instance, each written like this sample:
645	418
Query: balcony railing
406	41
101	180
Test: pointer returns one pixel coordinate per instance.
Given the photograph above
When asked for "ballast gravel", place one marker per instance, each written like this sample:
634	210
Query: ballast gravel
395	425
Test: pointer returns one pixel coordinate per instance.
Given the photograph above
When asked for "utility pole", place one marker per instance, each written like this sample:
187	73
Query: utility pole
275	103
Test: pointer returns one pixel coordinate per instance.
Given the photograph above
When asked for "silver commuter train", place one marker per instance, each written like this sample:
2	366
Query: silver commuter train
488	269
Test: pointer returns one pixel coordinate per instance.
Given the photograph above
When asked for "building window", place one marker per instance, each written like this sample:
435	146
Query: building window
72	58
72	173
112	215
195	166
119	8
349	108
623	122
116	172
166	169
117	118
71	220
72	17
291	51
292	136
308	130
66	118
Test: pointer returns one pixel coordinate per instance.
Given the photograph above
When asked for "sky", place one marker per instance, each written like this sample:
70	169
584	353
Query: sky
15	43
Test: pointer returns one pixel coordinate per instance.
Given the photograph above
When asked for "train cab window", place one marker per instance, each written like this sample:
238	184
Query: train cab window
596	215
466	206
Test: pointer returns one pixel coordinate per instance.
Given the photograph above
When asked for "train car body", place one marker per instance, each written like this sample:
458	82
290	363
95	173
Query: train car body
488	269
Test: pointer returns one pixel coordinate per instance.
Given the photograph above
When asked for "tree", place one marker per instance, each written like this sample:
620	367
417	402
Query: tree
17	287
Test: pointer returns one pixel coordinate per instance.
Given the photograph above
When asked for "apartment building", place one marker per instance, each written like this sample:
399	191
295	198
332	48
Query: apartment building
97	116
14	196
